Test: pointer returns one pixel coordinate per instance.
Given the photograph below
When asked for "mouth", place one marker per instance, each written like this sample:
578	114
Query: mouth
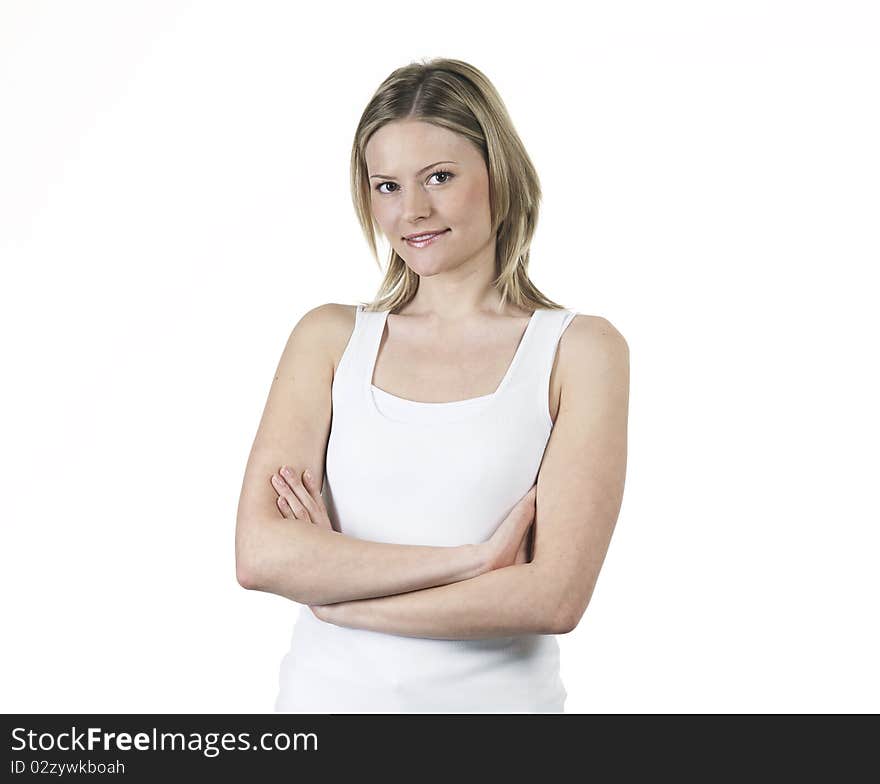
423	240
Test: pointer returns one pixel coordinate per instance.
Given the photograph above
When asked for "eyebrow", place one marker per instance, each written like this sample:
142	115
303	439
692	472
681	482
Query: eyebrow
389	177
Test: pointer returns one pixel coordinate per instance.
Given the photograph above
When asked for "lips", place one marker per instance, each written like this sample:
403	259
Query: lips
423	237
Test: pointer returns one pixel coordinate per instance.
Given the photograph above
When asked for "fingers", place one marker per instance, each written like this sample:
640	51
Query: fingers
299	496
288	503
284	508
319	515
309	493
301	492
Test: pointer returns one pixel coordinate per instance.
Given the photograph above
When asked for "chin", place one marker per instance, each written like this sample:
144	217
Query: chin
428	267
424	270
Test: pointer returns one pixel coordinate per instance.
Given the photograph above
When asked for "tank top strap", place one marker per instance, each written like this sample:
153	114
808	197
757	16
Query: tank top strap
355	366
532	373
541	351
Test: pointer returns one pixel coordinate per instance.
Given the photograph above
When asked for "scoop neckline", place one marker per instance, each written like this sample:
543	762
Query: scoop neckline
424	407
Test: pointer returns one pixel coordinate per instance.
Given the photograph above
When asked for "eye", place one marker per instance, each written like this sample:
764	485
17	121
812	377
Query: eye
441	172
444	173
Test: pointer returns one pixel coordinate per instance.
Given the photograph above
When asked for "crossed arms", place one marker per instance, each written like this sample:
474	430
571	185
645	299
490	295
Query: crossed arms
445	592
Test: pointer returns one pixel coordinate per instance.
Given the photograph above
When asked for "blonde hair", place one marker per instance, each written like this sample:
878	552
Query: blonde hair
455	95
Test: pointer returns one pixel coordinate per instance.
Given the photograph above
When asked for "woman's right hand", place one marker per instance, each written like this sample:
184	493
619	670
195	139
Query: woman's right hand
509	544
300	498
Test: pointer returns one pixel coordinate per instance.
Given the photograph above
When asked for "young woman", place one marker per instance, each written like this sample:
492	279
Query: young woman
473	432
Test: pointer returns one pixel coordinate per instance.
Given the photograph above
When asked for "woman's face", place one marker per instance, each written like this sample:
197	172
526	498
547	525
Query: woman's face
409	195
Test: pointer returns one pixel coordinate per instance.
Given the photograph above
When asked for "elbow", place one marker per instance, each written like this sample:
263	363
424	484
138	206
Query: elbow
564	622
244	577
258	568
568	605
245	573
558	616
567	618
254	564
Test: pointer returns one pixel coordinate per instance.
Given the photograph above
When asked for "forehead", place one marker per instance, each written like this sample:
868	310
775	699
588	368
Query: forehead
410	144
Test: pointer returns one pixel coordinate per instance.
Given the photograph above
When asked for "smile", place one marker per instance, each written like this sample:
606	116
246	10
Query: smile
426	239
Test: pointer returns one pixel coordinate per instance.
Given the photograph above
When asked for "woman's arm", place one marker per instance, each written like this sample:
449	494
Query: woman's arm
500	603
312	565
580	491
294	558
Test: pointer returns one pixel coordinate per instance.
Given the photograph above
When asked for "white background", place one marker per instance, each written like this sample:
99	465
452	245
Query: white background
174	197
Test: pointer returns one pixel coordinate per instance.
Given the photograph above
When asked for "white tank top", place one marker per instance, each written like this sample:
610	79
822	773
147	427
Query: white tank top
441	474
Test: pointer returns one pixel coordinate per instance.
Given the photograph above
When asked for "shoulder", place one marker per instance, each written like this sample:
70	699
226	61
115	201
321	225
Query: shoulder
329	327
327	316
589	346
586	332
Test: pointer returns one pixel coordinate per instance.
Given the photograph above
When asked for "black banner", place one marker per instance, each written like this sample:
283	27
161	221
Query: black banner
275	747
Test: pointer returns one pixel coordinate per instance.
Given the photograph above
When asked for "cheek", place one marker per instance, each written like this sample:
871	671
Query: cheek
381	213
470	205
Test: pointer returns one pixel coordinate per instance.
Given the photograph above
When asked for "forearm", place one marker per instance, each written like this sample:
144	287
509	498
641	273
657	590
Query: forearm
500	603
314	565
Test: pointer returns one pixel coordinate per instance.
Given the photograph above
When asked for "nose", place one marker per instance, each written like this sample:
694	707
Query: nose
416	204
